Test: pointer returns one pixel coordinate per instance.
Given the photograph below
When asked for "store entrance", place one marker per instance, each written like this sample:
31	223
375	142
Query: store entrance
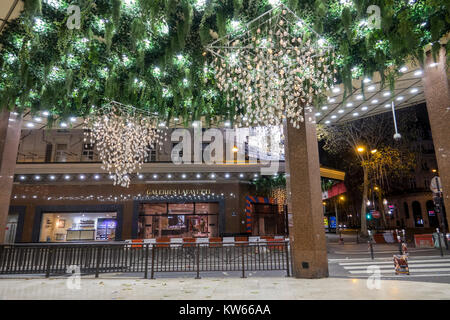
267	220
11	228
178	220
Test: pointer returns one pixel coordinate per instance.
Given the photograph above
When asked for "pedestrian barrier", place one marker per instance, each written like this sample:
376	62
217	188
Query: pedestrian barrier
423	241
162	255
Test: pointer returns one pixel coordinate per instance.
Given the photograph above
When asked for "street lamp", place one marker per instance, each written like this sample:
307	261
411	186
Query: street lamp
373	151
360	149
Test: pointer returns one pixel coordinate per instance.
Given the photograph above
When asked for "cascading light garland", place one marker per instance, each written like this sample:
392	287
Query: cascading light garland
123	137
272	68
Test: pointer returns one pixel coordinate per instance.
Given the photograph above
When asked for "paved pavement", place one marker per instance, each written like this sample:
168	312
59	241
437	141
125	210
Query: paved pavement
273	288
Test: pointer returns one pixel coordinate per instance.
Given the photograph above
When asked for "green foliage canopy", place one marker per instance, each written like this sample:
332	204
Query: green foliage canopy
150	53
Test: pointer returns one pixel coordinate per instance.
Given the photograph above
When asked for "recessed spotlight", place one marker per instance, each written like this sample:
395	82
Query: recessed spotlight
371	88
418	73
111	176
227	175
403	69
387	105
63	125
366	80
227	124
349	105
30	125
45	113
73	119
386	94
23	178
414	90
434	64
364	108
355	114
37	119
96	176
359	97
333	116
340	111
327	122
325	108
213	175
52	177
183	176
255	175
335	89
140	176
400	98
198	175
241	175
155	176
169	176
332	100
317	114
374	101
66	177
37	177
81	177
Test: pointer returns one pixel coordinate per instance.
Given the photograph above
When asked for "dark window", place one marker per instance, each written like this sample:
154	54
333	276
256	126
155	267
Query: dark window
48	152
417	214
405	206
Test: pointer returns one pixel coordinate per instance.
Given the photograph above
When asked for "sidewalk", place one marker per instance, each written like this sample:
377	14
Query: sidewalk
280	288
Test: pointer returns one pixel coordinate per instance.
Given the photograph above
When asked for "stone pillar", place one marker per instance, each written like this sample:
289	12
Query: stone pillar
9	143
306	228
437	95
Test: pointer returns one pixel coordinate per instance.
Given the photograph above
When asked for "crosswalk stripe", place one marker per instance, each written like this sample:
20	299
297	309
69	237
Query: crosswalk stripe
411	266
389	262
410	270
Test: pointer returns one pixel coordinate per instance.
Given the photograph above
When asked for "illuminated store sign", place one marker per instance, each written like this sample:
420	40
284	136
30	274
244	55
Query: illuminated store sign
184	192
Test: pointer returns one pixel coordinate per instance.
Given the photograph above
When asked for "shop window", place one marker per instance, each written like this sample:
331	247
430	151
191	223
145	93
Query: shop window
65	227
61	153
432	215
48	152
87	152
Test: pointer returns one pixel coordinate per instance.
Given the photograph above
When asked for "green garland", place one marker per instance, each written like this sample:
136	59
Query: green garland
150	53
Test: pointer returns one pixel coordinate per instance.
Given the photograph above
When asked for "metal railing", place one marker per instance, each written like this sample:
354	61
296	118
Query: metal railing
146	258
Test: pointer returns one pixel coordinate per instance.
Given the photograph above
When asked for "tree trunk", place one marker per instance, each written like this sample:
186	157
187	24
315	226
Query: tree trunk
363	204
382	209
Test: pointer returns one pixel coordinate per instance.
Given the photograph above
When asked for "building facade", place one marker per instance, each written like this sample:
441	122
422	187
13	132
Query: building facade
61	194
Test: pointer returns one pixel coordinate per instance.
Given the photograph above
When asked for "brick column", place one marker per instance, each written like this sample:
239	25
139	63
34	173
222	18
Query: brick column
437	94
306	228
10	126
